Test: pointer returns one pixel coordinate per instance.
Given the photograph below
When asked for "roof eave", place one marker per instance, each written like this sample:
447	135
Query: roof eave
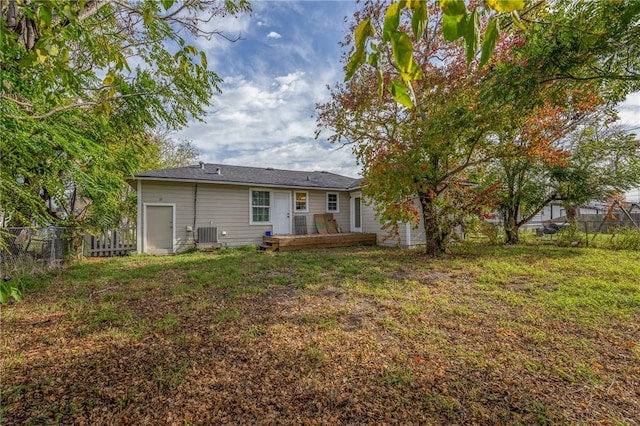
251	184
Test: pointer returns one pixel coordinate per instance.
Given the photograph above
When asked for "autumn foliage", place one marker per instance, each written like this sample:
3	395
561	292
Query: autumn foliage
443	125
417	162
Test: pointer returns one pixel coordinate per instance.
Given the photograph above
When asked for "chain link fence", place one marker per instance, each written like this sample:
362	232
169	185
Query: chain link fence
32	248
614	231
608	224
608	232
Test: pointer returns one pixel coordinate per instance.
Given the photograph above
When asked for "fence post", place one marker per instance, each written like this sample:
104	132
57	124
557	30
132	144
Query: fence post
586	232
52	249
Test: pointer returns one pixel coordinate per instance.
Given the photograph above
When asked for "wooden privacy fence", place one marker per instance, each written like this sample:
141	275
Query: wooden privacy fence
111	242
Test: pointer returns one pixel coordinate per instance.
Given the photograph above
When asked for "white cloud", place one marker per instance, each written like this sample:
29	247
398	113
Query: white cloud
271	124
633	99
630	117
629	111
308	155
265	115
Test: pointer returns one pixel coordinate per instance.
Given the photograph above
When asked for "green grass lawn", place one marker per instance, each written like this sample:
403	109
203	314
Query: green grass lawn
491	335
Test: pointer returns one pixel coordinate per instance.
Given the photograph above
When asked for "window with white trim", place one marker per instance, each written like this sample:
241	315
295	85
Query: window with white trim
302	202
260	207
333	205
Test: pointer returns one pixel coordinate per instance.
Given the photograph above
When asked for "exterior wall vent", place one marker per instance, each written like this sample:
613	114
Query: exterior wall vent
208	235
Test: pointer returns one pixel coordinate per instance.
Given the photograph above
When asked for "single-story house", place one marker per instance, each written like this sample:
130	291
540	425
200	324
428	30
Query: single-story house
234	206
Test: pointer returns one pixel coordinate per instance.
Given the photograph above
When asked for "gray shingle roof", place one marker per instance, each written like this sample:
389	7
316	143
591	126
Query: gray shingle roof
252	176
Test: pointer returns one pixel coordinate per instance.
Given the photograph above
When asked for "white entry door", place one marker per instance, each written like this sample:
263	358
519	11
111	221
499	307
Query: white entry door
158	226
356	212
281	215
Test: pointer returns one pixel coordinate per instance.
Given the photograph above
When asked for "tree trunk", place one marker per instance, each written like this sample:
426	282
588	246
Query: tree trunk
511	227
435	236
571	212
75	238
512	235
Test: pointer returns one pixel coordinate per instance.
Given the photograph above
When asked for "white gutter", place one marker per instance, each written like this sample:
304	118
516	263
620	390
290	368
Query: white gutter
251	184
139	218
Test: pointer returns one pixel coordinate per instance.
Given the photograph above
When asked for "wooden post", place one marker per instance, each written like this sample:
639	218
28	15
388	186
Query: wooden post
628	216
586	232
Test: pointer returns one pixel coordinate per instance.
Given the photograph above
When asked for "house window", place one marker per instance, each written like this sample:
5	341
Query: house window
260	206
302	202
332	202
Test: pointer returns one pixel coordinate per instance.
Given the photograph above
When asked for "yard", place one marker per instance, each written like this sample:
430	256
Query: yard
490	335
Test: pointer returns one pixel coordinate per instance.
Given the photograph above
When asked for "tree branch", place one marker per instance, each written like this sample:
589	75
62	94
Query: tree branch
568	76
22	104
526	219
79	105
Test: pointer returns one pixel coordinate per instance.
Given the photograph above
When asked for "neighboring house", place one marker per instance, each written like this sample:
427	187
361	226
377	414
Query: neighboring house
236	206
555	212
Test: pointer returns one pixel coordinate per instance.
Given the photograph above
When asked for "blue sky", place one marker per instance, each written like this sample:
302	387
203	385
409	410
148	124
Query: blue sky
273	77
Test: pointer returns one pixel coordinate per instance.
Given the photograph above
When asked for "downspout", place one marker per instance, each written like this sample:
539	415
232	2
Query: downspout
195	213
139	219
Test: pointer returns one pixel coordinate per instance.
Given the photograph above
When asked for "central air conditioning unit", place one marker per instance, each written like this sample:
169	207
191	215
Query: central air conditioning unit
208	235
207	238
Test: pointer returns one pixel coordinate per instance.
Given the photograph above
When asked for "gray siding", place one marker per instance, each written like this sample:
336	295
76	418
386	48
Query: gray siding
370	223
318	205
417	233
227	208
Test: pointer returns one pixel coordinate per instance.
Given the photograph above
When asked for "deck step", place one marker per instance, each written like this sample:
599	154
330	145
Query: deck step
300	242
268	246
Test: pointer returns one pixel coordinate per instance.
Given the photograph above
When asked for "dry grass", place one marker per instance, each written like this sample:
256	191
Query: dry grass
517	335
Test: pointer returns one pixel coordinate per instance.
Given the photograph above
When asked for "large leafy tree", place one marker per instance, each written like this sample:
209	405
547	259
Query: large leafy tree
83	83
408	21
528	148
604	163
595	43
459	114
581	41
416	161
576	60
168	152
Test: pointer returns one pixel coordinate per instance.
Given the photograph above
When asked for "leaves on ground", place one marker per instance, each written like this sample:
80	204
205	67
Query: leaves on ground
516	335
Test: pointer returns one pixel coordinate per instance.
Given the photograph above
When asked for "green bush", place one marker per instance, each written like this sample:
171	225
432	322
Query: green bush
493	233
571	235
627	239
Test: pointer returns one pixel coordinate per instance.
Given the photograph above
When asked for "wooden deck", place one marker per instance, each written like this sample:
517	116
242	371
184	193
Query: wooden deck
300	242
